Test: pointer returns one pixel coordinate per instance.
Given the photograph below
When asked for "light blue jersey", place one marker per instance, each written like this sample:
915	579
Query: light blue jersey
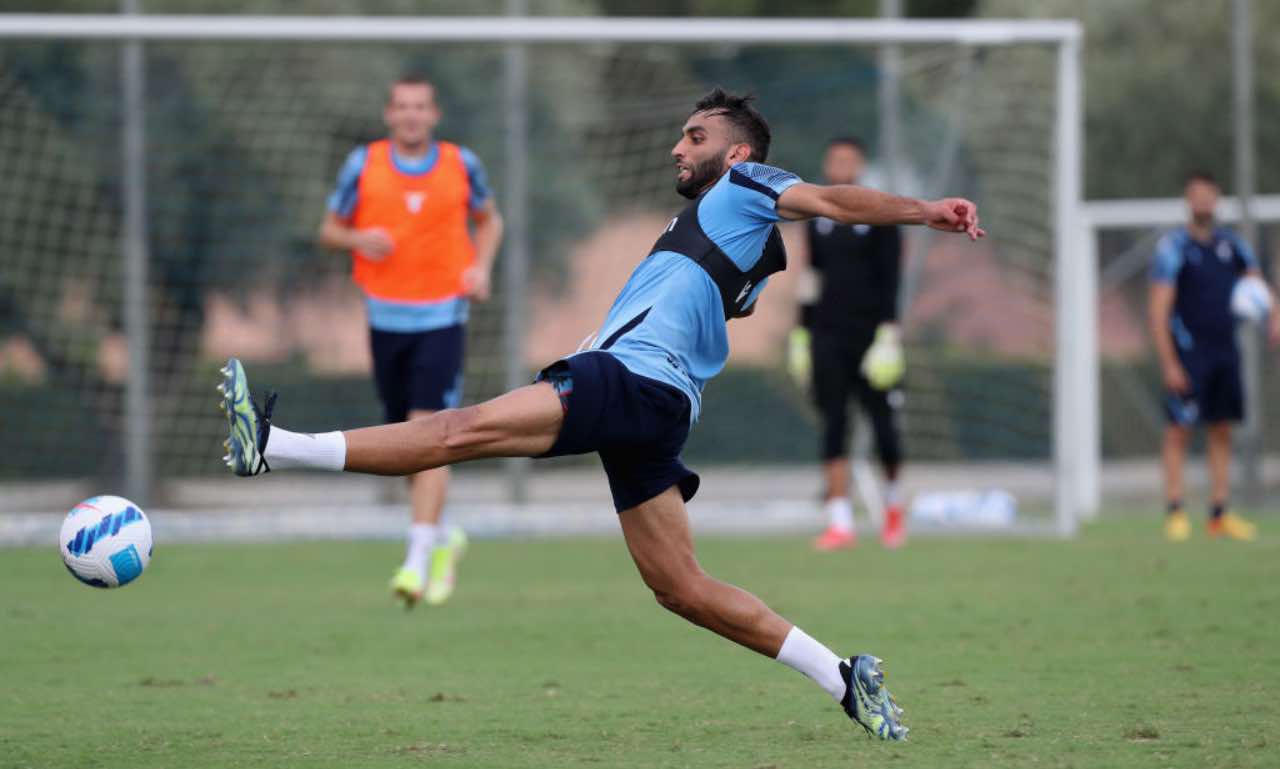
668	323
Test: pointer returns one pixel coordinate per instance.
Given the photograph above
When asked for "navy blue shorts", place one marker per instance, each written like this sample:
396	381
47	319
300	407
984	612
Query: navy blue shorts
417	370
1216	395
636	424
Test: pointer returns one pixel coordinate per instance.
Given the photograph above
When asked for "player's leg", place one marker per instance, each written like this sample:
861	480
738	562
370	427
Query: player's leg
393	355
431	549
661	544
1173	451
434	379
881	407
658	537
522	423
1182	412
1223	405
1218	458
831	387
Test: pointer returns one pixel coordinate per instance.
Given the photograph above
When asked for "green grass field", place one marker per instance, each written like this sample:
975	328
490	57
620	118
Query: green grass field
1115	650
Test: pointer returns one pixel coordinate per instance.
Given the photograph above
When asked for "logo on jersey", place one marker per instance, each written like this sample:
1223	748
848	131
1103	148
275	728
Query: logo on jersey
745	290
824	225
414	200
1224	251
672	225
861	229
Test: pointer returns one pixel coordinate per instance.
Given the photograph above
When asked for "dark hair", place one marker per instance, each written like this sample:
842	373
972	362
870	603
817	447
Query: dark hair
1199	175
848	141
749	125
410	78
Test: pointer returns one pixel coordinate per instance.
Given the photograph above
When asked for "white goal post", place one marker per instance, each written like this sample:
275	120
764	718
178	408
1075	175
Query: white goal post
1075	409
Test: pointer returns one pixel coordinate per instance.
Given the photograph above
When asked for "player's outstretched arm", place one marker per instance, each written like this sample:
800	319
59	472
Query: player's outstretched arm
851	204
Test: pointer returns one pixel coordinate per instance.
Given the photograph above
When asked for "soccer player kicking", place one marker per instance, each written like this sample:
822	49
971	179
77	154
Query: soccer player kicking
633	396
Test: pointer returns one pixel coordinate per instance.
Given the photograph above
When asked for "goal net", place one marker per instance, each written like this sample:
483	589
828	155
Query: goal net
244	137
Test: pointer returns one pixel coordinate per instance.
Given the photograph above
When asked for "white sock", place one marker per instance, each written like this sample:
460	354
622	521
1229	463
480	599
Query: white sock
422	538
892	493
840	511
317	451
802	653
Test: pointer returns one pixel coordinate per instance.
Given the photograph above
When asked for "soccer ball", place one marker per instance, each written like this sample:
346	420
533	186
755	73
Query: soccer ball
105	541
1250	299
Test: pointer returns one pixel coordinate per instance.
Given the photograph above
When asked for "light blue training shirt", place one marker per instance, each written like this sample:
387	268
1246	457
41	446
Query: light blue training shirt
682	339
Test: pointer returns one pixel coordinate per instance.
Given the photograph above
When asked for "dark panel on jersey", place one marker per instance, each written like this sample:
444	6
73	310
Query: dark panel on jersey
685	236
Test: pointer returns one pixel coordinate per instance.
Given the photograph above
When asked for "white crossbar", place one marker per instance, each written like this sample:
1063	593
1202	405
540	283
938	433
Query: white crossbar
535	29
1160	212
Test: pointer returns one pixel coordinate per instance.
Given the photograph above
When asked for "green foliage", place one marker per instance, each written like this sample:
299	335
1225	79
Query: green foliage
1158	90
1115	650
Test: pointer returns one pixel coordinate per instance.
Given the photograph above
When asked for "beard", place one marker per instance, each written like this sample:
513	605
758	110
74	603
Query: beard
1202	219
700	175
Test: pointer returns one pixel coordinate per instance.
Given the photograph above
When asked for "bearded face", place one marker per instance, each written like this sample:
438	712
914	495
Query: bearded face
693	176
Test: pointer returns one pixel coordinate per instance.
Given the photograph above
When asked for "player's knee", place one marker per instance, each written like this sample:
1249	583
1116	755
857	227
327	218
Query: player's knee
675	601
683	597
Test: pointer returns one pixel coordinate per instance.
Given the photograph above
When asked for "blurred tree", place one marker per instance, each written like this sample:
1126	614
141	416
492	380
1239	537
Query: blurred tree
1158	90
243	143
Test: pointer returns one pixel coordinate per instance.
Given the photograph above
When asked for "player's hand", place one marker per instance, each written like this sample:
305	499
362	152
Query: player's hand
883	364
799	358
477	282
373	243
954	215
1175	379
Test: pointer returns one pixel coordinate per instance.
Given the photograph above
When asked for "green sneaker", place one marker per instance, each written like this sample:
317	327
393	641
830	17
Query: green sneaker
248	427
406	586
444	566
868	702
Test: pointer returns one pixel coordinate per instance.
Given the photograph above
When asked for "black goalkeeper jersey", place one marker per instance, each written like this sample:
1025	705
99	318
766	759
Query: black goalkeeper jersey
859	268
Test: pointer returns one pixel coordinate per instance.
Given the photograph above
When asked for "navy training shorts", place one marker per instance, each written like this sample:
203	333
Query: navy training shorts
417	370
1217	393
636	424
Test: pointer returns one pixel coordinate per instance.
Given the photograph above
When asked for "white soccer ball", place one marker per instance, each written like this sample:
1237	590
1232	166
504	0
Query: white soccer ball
1251	299
105	541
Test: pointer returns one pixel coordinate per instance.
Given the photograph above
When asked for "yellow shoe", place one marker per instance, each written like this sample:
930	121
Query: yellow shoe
407	586
1232	526
1177	527
444	567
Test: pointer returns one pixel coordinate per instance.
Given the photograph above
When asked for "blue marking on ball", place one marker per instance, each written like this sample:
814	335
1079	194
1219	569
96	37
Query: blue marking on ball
126	564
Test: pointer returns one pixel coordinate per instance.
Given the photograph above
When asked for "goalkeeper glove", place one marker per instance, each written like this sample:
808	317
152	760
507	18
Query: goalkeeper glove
883	365
799	364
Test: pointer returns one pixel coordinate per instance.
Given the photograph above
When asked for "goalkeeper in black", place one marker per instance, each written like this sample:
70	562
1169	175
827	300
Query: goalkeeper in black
849	332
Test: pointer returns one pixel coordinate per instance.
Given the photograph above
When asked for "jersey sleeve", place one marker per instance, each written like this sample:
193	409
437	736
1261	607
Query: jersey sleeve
1243	251
1167	261
478	179
755	187
343	199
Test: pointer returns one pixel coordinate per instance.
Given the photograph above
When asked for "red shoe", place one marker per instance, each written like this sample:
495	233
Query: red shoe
835	539
893	534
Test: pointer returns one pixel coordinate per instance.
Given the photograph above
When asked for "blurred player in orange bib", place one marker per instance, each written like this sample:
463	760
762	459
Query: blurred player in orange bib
422	228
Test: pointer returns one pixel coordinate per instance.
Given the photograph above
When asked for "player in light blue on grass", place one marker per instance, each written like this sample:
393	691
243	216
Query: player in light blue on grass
634	395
